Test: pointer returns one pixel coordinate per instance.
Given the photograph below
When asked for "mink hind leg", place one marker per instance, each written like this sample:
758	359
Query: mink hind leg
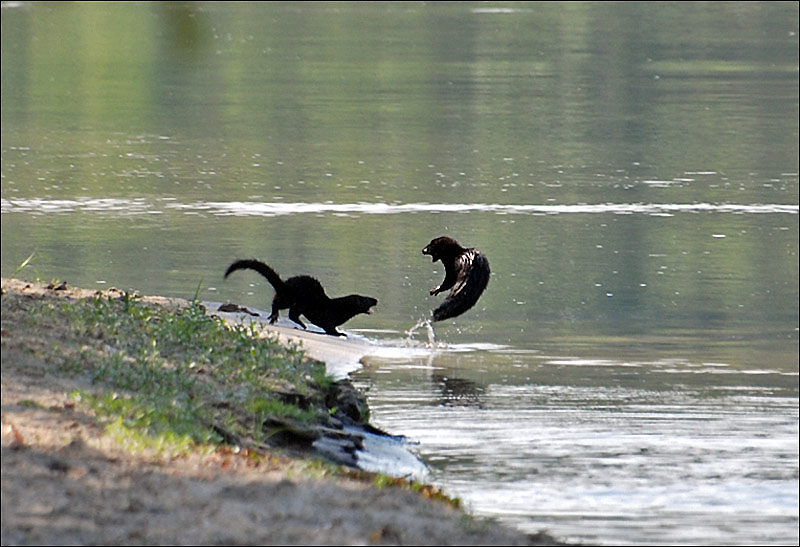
294	315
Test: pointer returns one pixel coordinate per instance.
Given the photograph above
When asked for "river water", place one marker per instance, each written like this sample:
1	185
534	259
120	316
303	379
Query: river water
630	376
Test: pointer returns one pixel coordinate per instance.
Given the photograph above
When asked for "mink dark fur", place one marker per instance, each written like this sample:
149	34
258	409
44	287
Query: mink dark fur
466	271
304	295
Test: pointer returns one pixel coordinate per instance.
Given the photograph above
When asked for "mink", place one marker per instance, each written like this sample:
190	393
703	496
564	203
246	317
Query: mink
466	273
304	295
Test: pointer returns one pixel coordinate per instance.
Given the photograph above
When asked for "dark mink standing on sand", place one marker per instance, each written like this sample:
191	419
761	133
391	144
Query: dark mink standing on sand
466	271
304	295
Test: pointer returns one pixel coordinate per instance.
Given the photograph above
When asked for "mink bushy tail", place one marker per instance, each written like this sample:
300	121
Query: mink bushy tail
467	290
252	264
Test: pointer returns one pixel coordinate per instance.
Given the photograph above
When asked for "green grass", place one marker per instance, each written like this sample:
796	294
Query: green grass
165	379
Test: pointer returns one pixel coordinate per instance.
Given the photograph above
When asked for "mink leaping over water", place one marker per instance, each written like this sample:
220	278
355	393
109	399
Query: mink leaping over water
465	270
304	295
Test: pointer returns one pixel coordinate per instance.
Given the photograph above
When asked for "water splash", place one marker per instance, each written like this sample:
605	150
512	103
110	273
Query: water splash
428	327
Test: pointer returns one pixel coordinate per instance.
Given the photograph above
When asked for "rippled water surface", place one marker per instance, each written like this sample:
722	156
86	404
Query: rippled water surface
630	375
669	451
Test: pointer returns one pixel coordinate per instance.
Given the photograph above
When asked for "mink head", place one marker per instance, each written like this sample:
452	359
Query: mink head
443	247
362	303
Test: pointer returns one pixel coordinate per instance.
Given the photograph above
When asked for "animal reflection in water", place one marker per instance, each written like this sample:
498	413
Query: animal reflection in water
458	391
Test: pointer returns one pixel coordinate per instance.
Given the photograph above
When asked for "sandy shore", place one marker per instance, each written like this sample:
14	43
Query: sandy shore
65	480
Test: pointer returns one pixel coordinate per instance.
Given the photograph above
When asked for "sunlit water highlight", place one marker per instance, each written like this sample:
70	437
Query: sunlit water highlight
267	209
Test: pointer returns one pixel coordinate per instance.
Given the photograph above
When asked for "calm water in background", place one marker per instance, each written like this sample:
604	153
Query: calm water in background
631	171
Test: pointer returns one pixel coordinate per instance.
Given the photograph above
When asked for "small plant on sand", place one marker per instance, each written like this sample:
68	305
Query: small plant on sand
24	264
